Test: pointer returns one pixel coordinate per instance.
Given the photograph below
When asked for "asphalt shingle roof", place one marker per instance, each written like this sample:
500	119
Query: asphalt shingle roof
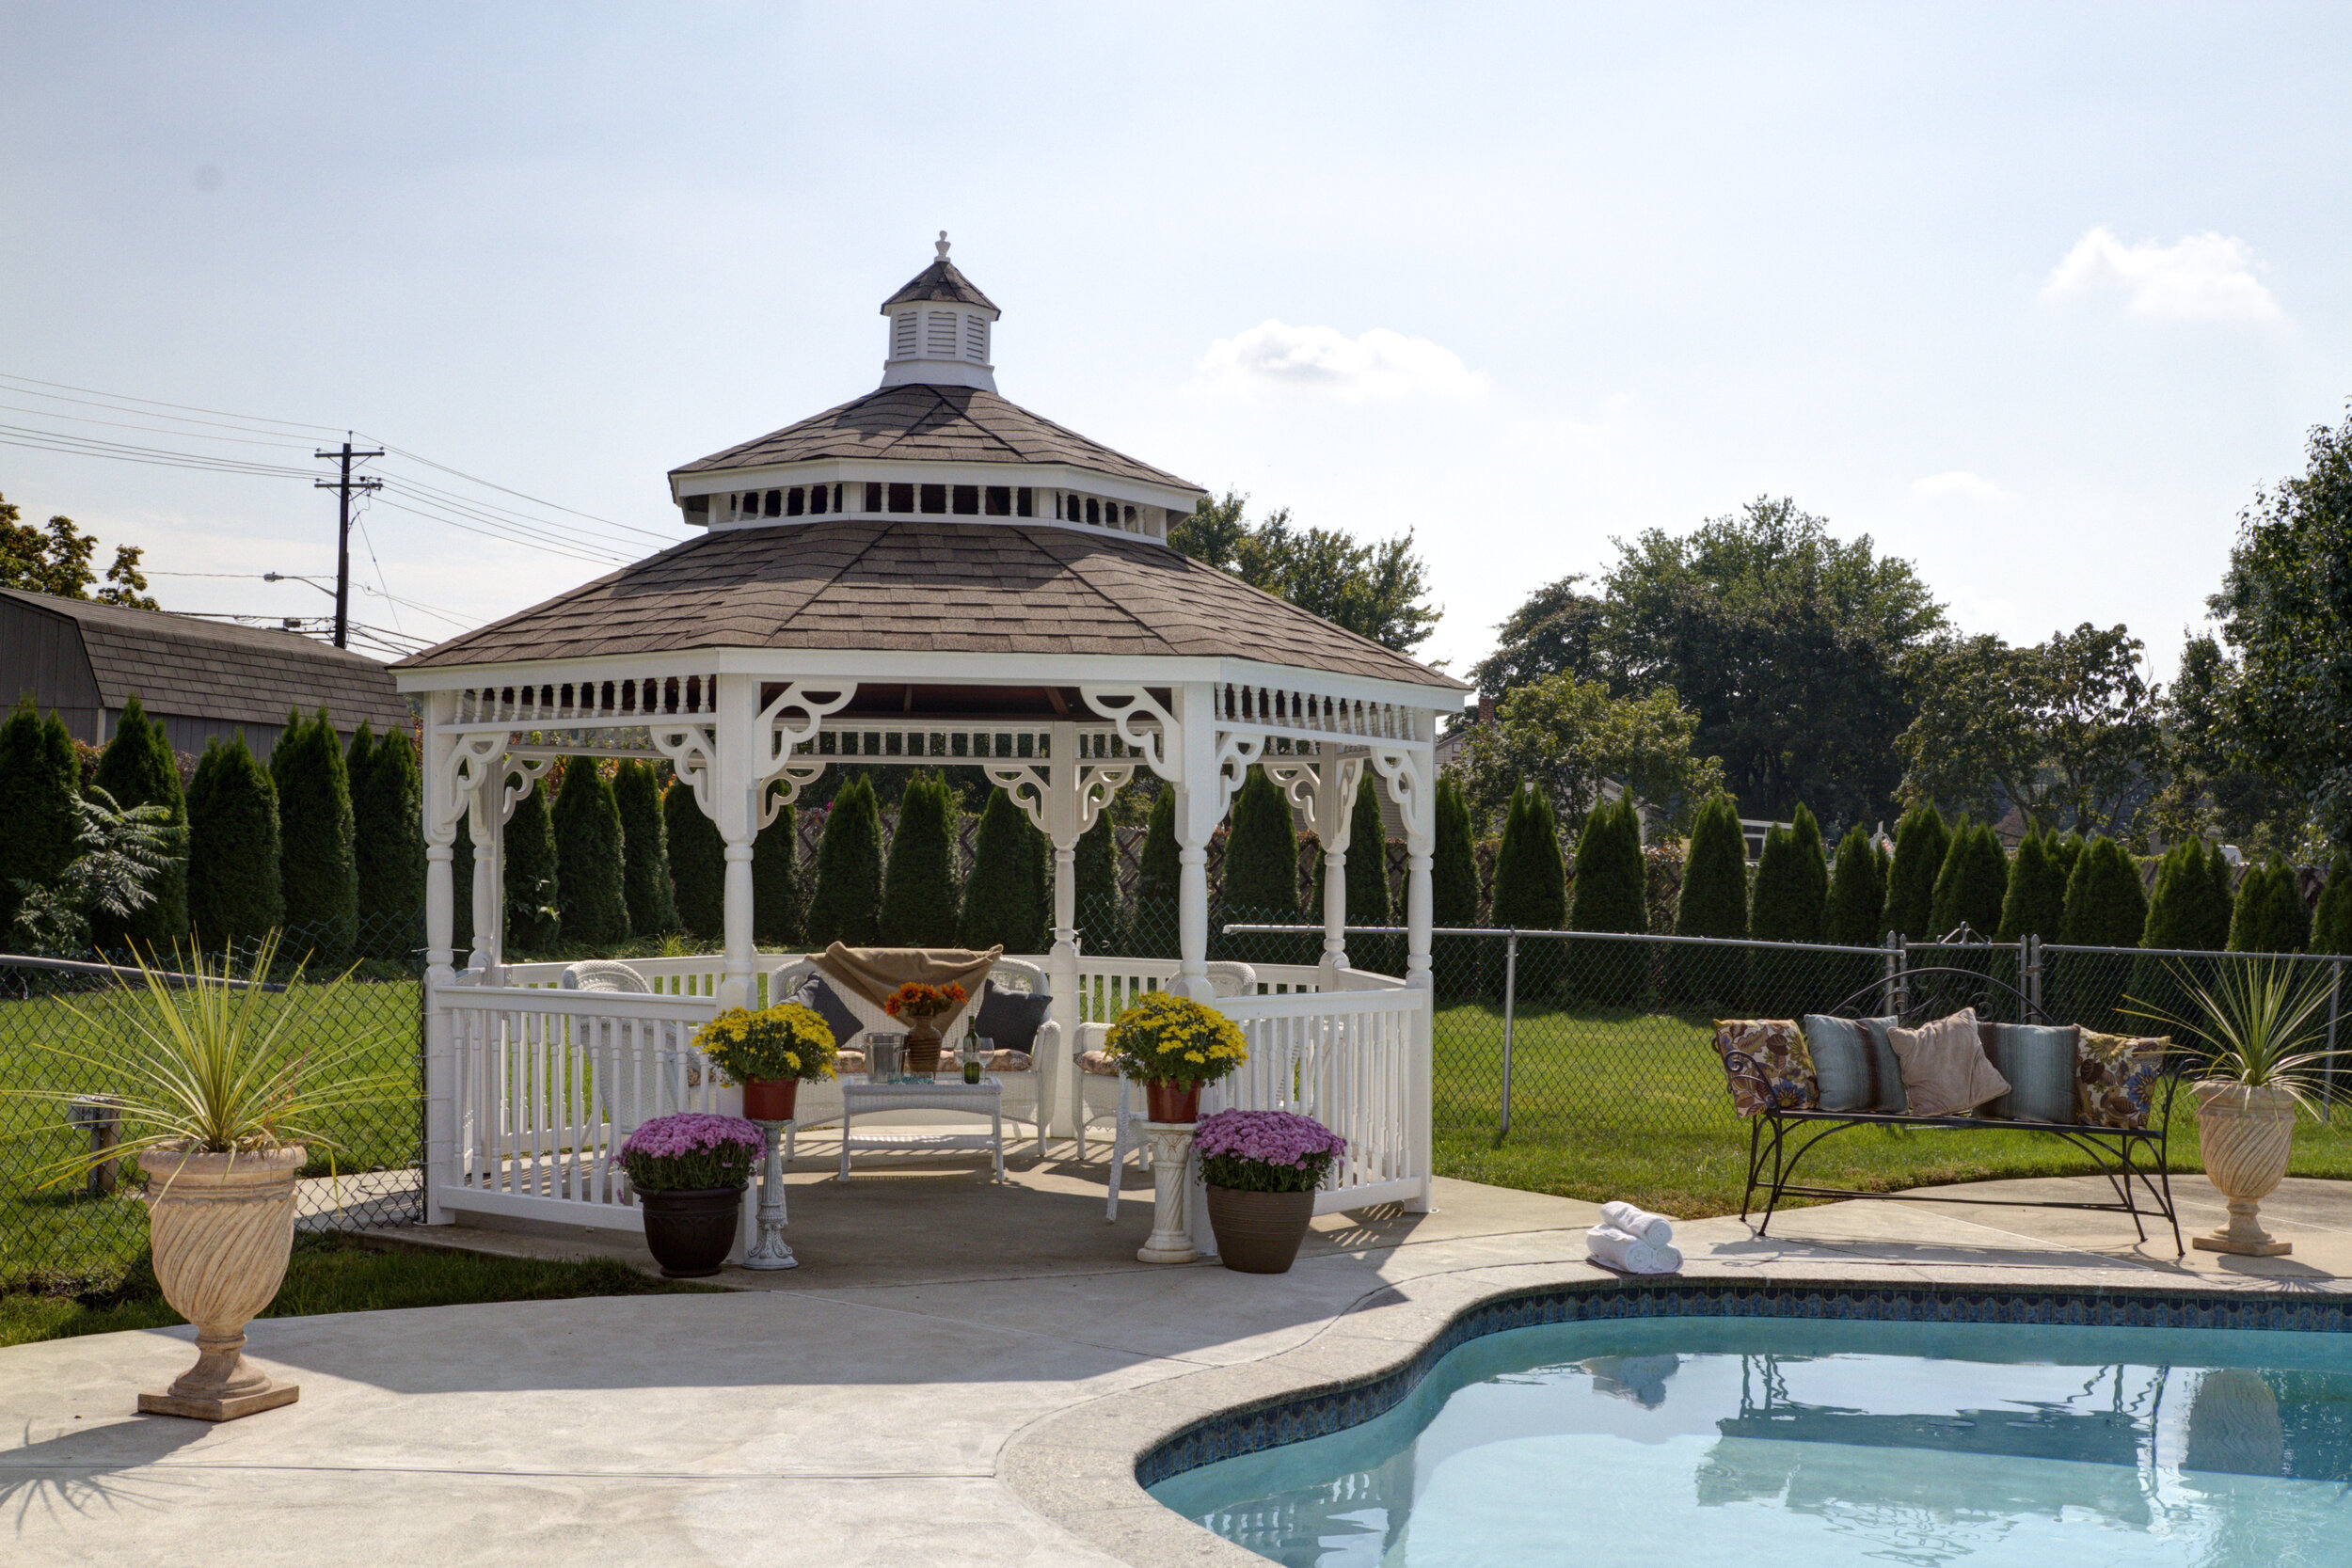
929	586
941	280
933	424
218	670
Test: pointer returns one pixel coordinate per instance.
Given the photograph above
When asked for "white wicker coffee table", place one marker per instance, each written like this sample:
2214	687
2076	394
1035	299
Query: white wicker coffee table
988	1095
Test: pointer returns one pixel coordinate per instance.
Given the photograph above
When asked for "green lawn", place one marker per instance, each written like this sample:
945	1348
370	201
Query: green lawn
53	1234
339	1274
1610	1103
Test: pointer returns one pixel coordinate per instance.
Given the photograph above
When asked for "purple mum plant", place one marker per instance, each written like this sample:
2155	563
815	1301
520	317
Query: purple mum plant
691	1152
1266	1151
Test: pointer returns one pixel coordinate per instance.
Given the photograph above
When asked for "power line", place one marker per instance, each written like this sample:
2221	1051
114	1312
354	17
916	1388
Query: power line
152	402
343	488
445	468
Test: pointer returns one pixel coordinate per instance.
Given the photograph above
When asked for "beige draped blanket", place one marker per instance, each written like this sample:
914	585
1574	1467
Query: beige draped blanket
874	973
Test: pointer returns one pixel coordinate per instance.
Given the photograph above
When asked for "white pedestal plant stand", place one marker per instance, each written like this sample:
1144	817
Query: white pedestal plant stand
1170	1146
769	1251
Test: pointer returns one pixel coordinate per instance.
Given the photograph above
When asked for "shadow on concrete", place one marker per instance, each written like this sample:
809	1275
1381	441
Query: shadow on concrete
79	1476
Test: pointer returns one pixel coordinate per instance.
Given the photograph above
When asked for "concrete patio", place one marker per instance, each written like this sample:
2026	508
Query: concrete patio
960	1380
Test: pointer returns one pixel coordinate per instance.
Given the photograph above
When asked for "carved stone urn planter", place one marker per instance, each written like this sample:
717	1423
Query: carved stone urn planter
2246	1133
221	1226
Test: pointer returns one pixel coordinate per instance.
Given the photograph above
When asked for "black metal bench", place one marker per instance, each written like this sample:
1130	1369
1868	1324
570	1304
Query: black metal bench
1779	1139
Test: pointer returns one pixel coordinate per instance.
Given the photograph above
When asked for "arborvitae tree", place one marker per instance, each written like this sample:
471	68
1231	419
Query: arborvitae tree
698	863
388	841
1609	892
234	892
919	906
1000	896
2332	923
1368	902
2105	905
1921	843
2034	902
533	884
1713	903
1454	961
846	905
1530	878
2187	911
1857	891
589	857
138	770
776	881
1041	872
315	860
1101	927
644	849
2068	852
461	889
1158	882
2223	902
1974	881
1609	895
1792	902
39	785
1454	860
2270	917
1262	853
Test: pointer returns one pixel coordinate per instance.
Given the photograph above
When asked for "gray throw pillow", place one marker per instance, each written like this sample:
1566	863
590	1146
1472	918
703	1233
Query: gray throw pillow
1855	1063
842	1022
1010	1018
2038	1059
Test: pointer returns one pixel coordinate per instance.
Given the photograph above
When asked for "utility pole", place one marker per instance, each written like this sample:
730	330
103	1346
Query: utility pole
346	484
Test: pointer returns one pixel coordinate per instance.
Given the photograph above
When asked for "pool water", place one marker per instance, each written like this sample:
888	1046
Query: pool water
1682	1442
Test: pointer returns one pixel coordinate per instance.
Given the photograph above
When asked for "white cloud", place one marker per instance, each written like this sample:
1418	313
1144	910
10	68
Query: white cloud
1378	364
1961	486
2206	276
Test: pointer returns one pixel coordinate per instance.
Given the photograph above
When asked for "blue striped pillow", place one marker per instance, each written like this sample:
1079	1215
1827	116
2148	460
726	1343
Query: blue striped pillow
1855	1063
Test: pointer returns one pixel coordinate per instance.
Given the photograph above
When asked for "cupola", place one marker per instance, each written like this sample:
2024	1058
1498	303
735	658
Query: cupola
939	330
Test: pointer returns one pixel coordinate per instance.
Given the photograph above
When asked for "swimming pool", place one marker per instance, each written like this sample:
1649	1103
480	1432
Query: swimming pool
1770	1441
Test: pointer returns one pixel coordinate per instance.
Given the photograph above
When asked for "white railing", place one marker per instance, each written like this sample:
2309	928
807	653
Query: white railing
546	1085
1107	986
1356	1060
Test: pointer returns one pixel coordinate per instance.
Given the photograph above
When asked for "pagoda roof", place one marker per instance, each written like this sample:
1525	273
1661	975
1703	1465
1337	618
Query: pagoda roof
925	424
926	585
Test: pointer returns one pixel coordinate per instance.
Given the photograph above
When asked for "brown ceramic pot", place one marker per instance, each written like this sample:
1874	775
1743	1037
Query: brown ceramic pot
770	1099
1170	1099
1259	1232
923	1042
690	1232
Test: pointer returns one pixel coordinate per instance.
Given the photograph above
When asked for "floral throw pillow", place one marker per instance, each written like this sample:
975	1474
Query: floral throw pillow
1777	1065
2116	1077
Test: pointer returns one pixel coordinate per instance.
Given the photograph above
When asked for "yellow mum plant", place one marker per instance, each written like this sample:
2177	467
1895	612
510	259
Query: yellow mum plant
1164	1036
787	1041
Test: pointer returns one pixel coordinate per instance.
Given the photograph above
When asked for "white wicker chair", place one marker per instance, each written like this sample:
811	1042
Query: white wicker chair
1116	1096
821	1100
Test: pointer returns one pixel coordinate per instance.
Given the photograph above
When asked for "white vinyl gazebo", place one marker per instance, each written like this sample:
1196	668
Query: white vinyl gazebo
926	575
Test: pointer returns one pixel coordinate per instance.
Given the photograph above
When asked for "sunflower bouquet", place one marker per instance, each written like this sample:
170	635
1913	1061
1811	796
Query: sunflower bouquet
918	999
1175	1039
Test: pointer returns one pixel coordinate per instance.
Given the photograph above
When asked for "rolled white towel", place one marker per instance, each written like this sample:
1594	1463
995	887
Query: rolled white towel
1630	1254
1640	1224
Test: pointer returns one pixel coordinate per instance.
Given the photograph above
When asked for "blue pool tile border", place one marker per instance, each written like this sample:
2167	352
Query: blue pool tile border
1294	1419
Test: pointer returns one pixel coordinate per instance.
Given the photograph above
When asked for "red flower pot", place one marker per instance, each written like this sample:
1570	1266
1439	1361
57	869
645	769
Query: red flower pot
1171	1099
770	1099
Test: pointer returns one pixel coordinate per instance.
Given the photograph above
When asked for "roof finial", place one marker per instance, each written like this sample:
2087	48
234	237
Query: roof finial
941	246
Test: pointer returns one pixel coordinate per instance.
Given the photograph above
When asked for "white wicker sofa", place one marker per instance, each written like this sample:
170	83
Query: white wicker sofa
820	1101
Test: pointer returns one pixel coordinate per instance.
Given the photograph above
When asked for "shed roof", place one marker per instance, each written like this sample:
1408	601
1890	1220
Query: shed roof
178	664
933	424
926	585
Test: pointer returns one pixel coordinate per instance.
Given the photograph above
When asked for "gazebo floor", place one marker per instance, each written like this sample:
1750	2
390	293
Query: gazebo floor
907	1219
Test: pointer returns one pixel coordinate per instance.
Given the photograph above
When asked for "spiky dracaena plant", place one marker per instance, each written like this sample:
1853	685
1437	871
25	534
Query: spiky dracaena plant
2257	1023
205	1062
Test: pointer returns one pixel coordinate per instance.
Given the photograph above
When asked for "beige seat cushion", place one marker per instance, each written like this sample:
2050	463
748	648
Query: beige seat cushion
1009	1061
847	1062
1943	1066
1097	1064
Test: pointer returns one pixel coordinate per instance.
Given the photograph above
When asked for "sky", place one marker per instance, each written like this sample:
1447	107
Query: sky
2035	296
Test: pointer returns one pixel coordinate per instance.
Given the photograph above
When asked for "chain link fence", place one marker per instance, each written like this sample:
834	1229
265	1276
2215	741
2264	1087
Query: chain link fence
62	1024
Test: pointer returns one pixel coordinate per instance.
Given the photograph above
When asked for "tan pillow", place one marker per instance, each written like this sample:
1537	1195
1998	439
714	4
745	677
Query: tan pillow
1944	1070
1097	1064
